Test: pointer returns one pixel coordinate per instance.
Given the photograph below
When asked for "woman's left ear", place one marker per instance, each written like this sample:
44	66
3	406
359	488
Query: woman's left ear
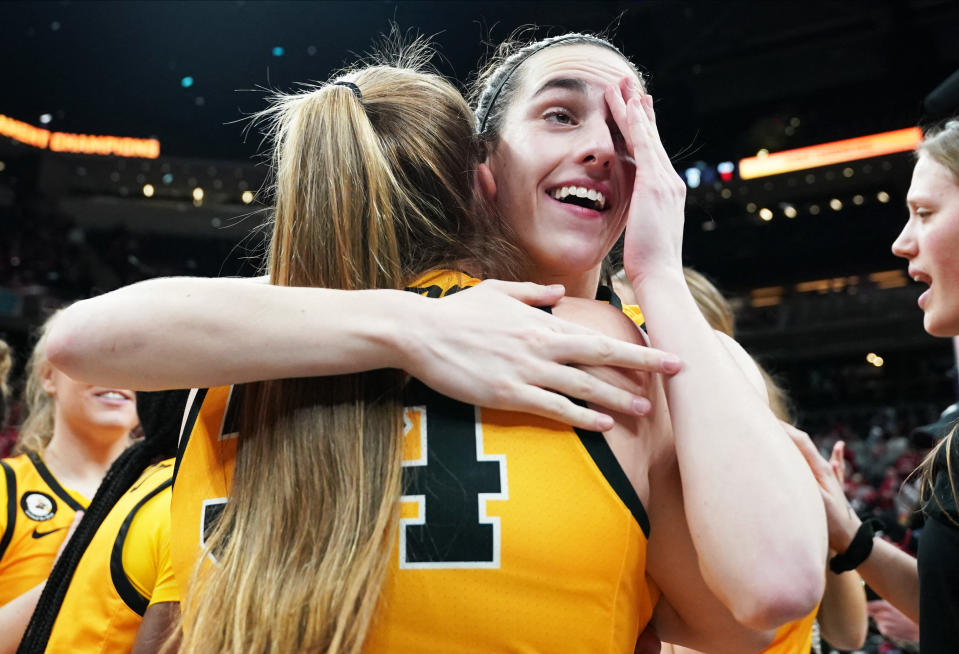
486	182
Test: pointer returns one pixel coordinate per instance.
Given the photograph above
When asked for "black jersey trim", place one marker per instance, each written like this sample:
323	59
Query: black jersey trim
54	485
601	454
188	428
435	290
607	294
128	593
11	480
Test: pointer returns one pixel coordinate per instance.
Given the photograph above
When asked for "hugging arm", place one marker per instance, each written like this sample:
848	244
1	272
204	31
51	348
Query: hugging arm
486	345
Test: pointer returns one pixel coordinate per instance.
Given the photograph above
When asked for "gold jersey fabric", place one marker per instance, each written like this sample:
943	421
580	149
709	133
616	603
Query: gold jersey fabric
517	534
125	568
794	637
35	515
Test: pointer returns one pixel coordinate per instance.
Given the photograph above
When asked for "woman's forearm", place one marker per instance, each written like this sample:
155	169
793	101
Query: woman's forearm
486	345
753	507
894	575
15	616
842	614
192	332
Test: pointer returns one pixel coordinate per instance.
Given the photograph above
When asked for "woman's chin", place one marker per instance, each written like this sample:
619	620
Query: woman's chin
936	326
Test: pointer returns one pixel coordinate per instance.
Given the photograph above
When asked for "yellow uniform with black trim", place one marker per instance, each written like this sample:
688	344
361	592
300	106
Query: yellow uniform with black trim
125	568
517	534
35	514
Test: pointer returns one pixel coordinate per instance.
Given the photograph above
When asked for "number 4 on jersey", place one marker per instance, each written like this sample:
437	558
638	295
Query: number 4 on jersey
450	479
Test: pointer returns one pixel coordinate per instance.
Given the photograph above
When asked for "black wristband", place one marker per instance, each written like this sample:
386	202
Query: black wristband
858	551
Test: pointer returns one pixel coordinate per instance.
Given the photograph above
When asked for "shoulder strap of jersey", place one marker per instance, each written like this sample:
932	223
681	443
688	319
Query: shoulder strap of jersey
599	450
52	482
11	482
128	593
188	427
602	455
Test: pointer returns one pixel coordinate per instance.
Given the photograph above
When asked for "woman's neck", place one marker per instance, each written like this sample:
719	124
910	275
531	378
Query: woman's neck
80	463
582	285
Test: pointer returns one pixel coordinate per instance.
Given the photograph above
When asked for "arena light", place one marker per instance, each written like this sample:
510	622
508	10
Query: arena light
693	177
766	214
835	204
882	196
826	154
889	279
148	190
247	197
121	146
198	194
767	296
726	169
789	211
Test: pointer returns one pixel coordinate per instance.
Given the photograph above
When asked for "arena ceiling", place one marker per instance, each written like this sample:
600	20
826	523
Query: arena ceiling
727	75
729	78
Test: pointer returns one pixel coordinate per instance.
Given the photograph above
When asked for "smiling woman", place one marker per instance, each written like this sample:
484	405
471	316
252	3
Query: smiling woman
71	435
558	160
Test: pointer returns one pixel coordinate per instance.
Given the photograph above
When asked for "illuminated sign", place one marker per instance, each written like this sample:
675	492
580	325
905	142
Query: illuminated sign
825	154
120	146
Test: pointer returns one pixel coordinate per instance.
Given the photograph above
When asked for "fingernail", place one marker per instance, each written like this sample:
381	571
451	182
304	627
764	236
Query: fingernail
641	406
556	288
672	364
604	423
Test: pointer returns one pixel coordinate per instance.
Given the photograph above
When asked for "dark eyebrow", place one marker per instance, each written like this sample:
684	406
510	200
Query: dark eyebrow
568	83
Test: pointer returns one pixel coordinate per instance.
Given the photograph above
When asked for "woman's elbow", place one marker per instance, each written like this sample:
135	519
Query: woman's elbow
66	348
783	596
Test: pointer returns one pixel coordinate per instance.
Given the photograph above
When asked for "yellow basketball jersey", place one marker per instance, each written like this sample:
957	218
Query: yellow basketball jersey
35	513
794	637
517	534
124	569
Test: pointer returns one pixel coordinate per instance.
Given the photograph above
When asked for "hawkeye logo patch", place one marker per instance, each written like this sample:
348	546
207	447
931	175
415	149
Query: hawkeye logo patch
38	506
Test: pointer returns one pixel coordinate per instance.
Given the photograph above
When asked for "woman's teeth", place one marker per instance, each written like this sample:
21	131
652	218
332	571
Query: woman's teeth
564	193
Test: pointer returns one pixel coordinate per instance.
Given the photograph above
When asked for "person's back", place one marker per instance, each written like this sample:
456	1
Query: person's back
514	531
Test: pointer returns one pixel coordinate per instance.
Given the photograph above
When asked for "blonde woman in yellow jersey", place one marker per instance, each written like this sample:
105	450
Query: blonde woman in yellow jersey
124	570
764	580
71	435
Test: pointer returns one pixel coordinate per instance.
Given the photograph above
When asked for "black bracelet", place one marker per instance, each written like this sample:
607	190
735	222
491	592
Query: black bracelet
859	549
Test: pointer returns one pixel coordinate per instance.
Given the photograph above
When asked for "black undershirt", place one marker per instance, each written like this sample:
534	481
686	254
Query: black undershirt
939	566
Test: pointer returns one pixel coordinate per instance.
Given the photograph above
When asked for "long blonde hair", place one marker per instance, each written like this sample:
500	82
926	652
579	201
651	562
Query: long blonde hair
373	186
720	315
37	428
942	144
6	362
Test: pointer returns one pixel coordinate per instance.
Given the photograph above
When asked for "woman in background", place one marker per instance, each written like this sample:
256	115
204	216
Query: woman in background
925	589
71	435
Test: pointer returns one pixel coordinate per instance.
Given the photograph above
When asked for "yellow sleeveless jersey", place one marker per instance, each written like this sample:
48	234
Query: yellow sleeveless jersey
125	568
794	637
517	534
35	514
